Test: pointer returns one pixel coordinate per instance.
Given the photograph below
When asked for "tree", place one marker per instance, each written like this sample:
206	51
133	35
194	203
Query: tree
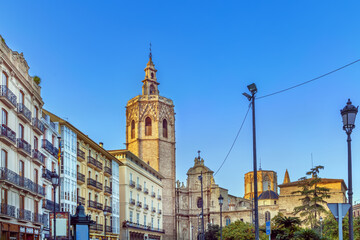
37	80
212	232
285	227
239	230
306	234
313	198
330	227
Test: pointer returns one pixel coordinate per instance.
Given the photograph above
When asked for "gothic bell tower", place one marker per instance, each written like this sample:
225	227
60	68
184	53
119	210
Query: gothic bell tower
150	134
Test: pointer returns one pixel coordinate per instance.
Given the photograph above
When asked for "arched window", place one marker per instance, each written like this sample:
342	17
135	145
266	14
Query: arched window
165	129
132	129
152	89
148	126
267	216
227	221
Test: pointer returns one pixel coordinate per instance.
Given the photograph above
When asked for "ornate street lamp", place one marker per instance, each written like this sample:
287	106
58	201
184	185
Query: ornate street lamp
221	201
55	183
321	227
105	214
348	114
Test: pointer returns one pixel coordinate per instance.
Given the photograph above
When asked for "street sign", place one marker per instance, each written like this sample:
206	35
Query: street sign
339	211
268	228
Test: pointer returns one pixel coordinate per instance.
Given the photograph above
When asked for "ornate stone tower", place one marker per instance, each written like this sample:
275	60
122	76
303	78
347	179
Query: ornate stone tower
265	179
150	134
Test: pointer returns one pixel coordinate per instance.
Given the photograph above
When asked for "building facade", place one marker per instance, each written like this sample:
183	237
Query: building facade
21	161
141	202
150	135
49	150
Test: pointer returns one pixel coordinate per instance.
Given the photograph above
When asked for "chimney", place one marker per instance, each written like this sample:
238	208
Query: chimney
101	144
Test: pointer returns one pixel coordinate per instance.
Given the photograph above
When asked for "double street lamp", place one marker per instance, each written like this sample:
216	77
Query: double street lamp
55	183
105	214
348	114
221	201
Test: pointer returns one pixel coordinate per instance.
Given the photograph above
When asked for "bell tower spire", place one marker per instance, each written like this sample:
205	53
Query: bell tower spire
150	84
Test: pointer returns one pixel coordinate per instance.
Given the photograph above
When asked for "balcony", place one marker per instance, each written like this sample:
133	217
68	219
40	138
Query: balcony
99	186
24	147
107	171
80	155
38	126
139	204
146	191
91	183
146	206
80	178
81	200
159	197
38	218
46	173
24	113
49	205
91	204
108	190
7	97
50	148
24	215
92	162
153	209
99	206
8	210
132	201
159	211
20	182
7	136
138	187
108	209
153	194
132	183
128	224
38	157
96	227
108	229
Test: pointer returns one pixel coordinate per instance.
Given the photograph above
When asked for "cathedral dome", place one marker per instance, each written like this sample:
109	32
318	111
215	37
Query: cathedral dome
268	195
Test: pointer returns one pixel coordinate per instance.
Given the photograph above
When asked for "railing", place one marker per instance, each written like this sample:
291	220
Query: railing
159	211
108	209
108	229
46	221
91	204
139	187
8	133
52	125
146	206
128	224
132	183
81	200
99	186
159	197
22	109
108	190
146	191
99	206
8	210
94	162
38	155
108	170
81	154
132	201
38	124
50	148
49	205
91	182
24	145
80	177
153	194
138	204
14	178
99	165
38	218
153	209
46	174
97	227
24	214
6	92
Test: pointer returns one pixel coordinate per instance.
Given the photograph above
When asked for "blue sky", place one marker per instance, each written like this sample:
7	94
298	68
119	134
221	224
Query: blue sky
91	55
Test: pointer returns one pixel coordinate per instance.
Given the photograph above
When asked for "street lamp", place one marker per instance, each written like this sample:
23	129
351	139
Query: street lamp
221	201
348	114
55	183
321	221
253	89
105	214
202	206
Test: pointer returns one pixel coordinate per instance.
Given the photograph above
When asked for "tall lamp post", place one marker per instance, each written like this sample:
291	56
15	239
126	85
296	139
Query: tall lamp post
321	227
105	214
253	89
202	206
55	183
348	114
221	201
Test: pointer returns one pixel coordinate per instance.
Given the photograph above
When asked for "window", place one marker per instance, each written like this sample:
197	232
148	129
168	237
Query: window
137	197
21	131
148	126
144	220
144	200
22	202
21	98
4	196
36	207
158	224
131	216
4	117
130	194
21	168
36	112
4	80
4	158
132	129
152	89
152	223
89	196
138	218
165	129
137	180
267	216
227	221
53	140
36	176
130	177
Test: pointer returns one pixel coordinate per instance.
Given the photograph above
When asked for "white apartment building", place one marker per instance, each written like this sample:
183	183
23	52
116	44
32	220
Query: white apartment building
49	149
21	161
140	198
115	198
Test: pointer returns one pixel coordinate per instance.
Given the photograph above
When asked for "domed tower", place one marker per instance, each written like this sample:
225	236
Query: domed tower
150	134
265	179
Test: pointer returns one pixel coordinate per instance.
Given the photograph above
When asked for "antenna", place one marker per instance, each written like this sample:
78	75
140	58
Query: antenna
150	55
199	154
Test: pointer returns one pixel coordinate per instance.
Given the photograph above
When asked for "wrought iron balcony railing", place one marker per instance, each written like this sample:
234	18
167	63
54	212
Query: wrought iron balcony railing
8	133
153	209
38	218
129	224
108	190
24	111
108	229
81	154
24	145
139	187
153	194
8	95
99	206
91	182
108	170
23	214
99	186
50	148
132	183
38	125
96	227
46	173
108	209
91	204
80	177
138	204
37	155
94	162
159	211
159	197
49	205
132	201
146	206
8	210
146	191
81	200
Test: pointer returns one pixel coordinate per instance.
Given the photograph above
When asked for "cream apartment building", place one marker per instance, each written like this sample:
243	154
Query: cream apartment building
21	161
140	198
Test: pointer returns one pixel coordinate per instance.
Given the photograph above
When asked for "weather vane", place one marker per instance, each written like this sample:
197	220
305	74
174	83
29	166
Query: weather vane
199	154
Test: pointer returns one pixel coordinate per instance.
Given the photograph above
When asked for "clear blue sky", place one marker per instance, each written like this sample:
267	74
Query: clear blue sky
91	55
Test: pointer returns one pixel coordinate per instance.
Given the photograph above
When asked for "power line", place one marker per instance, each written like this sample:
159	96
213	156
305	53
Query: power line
237	135
311	80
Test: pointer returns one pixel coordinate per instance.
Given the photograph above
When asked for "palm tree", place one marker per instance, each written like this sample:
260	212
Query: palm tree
306	234
285	226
